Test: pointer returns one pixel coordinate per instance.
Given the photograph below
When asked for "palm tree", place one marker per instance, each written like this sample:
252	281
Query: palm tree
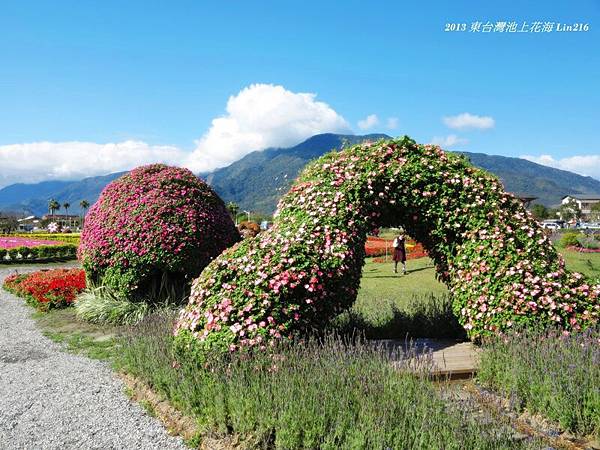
233	209
67	205
53	205
84	205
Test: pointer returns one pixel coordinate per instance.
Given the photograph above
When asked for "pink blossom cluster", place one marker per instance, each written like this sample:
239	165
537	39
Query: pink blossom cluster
302	272
155	219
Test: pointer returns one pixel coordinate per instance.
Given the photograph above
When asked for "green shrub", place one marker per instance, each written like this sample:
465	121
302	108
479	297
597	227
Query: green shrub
588	242
570	239
549	373
326	394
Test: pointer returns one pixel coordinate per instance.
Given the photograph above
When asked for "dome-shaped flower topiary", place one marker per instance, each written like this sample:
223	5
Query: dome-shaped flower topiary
500	267
155	225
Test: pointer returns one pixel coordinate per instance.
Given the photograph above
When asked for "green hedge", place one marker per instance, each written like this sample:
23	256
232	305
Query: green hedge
35	254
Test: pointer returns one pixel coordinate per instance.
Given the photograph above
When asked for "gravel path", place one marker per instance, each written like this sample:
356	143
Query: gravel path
50	399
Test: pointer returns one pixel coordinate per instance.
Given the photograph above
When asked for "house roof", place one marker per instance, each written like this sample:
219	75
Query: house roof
584	196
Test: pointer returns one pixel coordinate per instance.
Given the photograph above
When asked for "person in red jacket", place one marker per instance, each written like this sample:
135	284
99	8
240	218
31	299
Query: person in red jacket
399	253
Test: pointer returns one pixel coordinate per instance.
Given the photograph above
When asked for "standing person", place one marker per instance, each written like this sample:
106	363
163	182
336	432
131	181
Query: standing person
399	253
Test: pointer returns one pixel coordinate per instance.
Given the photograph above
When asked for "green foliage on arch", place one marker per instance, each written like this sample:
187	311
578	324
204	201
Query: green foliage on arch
496	260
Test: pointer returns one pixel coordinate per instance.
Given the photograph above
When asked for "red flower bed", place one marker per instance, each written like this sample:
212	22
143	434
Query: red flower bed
583	250
47	289
376	246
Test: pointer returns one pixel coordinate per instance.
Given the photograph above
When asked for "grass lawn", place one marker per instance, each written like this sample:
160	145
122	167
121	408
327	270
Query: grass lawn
409	303
382	291
586	263
94	341
380	282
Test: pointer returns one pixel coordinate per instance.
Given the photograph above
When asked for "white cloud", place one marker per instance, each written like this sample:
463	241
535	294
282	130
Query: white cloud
588	165
448	141
466	120
392	123
39	161
368	122
262	116
258	117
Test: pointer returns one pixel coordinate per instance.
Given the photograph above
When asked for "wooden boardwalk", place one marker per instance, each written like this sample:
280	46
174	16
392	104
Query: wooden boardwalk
449	358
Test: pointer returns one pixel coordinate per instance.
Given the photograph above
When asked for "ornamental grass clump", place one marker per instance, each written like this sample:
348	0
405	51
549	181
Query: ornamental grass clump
152	231
550	373
490	251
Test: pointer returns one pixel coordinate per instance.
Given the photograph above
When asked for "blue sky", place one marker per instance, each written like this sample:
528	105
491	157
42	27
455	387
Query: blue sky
158	73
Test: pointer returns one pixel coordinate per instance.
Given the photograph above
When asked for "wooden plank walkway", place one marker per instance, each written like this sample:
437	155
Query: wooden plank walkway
450	359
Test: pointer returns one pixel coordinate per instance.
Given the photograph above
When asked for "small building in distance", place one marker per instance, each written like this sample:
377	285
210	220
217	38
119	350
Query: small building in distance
63	220
584	202
30	223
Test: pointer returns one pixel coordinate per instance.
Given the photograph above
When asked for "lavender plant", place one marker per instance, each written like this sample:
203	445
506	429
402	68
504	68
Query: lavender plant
551	373
325	393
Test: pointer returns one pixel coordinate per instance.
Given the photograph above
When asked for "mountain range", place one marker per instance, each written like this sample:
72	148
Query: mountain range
259	179
23	199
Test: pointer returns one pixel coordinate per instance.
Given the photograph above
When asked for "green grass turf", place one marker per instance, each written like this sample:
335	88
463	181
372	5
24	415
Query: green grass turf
586	263
94	341
380	285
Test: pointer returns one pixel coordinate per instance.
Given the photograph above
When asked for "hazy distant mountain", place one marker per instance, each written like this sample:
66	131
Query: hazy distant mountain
259	179
520	176
21	192
33	198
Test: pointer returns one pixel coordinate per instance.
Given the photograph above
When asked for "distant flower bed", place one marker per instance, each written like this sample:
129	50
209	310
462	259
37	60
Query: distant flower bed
67	238
583	250
47	289
376	246
17	241
415	252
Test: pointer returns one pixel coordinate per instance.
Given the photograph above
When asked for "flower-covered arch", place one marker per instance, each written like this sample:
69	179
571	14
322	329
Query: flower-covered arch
500	267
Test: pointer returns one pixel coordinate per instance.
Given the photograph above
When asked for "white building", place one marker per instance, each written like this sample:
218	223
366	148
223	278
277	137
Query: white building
584	202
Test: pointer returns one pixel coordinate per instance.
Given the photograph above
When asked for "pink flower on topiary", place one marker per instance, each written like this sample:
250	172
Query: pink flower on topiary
154	221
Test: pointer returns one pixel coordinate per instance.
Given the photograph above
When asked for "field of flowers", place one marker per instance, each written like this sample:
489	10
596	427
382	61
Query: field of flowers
8	242
47	289
67	238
